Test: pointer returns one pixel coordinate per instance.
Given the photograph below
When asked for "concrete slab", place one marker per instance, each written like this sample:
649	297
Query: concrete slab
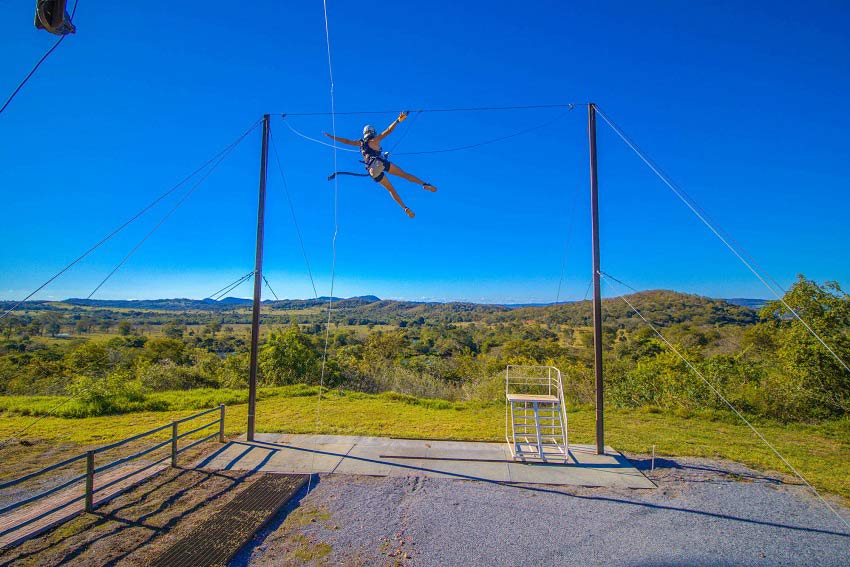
381	456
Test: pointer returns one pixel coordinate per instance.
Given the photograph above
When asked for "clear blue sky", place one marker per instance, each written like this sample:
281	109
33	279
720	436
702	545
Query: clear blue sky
744	104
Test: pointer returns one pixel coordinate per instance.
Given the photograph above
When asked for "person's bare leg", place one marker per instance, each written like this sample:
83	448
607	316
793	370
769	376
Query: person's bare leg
396	170
389	187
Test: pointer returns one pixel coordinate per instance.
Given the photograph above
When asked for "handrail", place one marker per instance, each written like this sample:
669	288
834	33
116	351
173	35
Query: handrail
91	470
28	476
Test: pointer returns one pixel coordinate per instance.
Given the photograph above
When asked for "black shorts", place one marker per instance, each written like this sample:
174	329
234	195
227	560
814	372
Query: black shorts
383	173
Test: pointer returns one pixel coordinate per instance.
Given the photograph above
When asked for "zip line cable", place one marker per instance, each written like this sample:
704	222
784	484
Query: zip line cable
689	199
126	224
224	293
37	65
168	214
230	286
268	285
292	211
459	109
486	142
725	401
31	73
694	209
425	152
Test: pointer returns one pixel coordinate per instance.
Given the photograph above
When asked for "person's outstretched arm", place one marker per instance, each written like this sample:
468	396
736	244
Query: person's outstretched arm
342	140
391	127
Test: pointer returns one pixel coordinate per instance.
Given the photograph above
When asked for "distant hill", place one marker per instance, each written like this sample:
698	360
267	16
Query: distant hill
754	304
662	307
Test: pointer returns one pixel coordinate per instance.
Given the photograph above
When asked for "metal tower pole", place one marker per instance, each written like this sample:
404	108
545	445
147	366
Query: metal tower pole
597	295
258	281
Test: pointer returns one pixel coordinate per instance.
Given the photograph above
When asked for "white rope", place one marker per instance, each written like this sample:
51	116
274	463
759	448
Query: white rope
333	254
567	244
716	232
725	401
306	137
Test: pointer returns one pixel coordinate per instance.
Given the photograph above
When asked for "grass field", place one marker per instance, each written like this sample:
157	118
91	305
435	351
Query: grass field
819	451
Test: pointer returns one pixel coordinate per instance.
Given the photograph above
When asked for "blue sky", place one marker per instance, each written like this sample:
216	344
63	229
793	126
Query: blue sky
744	105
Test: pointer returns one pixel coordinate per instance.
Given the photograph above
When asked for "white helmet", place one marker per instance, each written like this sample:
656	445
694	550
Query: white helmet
369	131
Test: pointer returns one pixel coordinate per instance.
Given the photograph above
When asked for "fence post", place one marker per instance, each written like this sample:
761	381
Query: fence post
221	425
174	444
89	481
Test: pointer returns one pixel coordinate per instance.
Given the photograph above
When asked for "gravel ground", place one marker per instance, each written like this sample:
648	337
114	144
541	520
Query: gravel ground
703	513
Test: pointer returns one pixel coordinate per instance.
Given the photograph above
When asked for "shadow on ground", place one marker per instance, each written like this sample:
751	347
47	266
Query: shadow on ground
135	527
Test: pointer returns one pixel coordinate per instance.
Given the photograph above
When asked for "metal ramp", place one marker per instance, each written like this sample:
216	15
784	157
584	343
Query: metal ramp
535	417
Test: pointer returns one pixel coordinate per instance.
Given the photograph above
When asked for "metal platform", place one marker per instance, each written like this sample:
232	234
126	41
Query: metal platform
536	425
379	456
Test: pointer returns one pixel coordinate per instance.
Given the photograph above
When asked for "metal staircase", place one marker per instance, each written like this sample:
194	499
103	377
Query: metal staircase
535	417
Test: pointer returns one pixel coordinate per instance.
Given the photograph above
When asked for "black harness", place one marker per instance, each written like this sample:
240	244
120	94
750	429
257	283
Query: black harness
371	155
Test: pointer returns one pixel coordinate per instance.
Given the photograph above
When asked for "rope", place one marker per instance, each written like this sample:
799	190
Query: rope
125	225
306	137
459	109
725	401
333	247
230	287
694	209
167	215
567	244
292	211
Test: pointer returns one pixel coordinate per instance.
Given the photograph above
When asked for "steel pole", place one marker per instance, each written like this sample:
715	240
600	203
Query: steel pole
258	281
597	292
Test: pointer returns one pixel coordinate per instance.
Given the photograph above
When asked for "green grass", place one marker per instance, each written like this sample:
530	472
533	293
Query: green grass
820	451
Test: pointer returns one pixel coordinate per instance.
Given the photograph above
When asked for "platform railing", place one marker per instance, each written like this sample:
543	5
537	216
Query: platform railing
92	469
536	380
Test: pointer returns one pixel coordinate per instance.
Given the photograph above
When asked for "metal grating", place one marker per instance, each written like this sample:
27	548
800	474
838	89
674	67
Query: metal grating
214	542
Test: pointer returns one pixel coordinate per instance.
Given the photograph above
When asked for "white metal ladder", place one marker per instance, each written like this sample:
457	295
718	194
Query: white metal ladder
535	417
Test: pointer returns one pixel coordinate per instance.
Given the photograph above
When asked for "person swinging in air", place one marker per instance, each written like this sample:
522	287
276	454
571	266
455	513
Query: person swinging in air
377	163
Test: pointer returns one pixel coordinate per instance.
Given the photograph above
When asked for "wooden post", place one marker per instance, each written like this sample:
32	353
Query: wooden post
258	281
597	294
221	425
89	481
174	444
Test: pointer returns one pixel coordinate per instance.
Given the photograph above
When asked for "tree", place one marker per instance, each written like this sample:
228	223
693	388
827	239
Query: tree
813	383
125	328
174	330
289	357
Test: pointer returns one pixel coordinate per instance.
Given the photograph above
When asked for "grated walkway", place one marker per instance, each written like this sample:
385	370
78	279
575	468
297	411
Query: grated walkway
214	542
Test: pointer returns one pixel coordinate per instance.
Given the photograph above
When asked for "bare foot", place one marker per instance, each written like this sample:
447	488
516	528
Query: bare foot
430	188
410	213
